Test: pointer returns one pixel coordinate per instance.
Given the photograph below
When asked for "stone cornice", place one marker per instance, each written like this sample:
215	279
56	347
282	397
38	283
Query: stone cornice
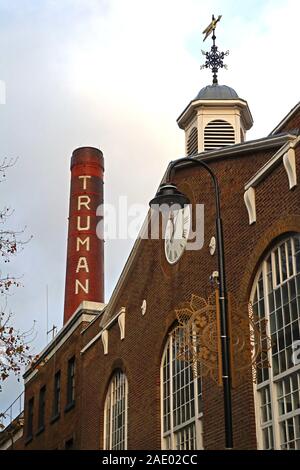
86	312
188	112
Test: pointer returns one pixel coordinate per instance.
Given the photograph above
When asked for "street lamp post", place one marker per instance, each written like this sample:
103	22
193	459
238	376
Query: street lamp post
170	195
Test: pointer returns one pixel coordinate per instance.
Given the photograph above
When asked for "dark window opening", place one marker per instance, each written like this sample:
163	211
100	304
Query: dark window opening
69	444
71	382
29	432
56	398
42	406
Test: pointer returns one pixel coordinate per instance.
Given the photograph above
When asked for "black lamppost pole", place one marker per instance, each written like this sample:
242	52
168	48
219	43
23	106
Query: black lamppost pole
168	193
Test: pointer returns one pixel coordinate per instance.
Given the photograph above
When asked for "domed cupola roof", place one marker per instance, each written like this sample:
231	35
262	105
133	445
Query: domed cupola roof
217	92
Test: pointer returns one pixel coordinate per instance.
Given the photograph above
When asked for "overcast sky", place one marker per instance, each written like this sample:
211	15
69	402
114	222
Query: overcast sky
116	74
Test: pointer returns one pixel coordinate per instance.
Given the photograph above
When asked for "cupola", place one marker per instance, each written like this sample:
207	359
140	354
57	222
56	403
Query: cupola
217	117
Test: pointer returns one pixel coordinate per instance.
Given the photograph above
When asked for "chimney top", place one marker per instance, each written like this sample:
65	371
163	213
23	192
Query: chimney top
87	155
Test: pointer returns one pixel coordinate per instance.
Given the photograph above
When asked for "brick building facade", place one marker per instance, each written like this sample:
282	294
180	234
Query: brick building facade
116	361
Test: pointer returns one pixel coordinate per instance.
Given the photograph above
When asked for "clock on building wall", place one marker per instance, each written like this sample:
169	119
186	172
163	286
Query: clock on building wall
177	233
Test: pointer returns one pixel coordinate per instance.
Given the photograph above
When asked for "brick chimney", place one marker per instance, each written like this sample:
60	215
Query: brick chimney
85	252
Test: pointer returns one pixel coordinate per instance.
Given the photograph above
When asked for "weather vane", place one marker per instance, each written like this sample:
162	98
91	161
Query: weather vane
214	58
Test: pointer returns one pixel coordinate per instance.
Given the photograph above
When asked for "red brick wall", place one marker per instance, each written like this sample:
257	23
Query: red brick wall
164	288
68	425
142	347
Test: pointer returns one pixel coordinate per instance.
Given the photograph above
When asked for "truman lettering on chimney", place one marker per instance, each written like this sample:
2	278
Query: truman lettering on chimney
85	264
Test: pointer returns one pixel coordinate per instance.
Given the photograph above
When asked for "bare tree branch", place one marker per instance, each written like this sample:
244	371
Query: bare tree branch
14	344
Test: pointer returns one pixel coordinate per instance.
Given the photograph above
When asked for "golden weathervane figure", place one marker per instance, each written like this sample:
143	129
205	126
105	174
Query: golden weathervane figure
211	27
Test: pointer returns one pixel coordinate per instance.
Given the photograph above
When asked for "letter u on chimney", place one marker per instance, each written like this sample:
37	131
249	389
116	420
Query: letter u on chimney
79	222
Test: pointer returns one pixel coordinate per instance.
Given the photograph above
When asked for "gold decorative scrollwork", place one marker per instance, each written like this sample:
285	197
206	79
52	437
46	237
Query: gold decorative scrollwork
197	338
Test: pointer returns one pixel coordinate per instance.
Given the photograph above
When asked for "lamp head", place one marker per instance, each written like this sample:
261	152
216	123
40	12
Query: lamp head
169	195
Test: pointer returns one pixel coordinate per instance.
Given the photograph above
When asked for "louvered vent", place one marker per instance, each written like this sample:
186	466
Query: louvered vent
218	134
192	143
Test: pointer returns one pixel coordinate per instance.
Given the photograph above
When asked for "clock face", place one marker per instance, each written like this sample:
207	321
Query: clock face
177	232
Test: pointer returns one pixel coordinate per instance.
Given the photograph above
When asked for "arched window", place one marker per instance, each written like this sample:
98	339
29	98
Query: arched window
192	143
181	402
217	134
276	298
115	413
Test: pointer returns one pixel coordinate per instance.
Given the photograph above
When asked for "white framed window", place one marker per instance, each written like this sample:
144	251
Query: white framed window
181	398
276	298
115	413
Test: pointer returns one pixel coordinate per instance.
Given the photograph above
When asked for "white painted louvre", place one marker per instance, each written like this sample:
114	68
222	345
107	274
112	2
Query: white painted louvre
217	134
